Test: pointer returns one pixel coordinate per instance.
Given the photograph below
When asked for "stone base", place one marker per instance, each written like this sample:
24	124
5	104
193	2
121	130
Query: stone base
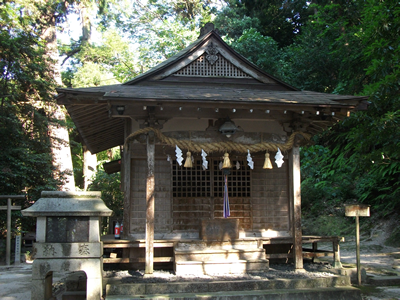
219	257
42	274
328	288
221	267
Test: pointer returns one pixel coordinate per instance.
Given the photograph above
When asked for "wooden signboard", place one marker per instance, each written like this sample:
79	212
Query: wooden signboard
357	210
354	210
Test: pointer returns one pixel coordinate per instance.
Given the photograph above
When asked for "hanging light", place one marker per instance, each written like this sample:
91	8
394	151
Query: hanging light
228	128
267	162
188	162
120	109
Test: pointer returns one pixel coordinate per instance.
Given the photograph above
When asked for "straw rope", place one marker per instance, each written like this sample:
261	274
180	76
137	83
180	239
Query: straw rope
218	146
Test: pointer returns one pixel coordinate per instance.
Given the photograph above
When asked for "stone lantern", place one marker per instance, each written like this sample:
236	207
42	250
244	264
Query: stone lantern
67	240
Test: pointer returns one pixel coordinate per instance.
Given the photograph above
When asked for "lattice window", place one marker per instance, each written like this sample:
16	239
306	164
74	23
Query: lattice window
196	182
239	181
221	68
191	182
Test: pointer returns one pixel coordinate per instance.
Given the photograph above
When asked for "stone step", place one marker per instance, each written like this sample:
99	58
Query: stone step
384	280
339	293
166	288
75	295
219	254
220	267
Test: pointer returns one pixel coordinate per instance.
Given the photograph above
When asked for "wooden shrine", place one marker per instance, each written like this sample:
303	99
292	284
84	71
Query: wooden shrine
206	98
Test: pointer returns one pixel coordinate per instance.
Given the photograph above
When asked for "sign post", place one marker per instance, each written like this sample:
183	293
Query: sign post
357	210
9	208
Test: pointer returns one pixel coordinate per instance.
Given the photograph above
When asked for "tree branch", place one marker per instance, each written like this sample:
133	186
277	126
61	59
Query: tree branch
70	54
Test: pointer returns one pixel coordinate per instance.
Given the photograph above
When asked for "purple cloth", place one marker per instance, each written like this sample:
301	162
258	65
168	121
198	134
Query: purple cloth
227	211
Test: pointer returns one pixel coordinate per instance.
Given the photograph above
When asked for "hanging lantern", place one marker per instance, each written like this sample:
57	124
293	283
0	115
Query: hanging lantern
267	162
188	162
279	158
227	163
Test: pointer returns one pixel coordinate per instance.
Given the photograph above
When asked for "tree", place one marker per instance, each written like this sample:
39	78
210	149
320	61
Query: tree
25	91
249	45
233	20
159	28
367	143
281	20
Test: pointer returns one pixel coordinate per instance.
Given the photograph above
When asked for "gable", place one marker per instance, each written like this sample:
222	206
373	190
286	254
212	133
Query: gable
217	66
209	58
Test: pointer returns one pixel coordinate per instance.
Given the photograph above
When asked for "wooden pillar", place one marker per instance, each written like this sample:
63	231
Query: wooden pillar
336	255
126	181
150	184
8	244
296	207
9	208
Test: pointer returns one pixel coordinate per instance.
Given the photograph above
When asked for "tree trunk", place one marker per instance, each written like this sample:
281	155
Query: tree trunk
89	167
61	150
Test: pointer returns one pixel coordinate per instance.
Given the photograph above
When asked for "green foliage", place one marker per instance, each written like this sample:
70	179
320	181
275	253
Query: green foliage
325	188
281	20
232	21
249	45
327	56
109	184
161	27
110	187
327	225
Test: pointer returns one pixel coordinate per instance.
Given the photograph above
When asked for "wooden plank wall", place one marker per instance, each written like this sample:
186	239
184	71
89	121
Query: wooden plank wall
163	220
270	198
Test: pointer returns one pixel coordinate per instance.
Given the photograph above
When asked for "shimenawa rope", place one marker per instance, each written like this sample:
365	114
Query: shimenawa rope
218	146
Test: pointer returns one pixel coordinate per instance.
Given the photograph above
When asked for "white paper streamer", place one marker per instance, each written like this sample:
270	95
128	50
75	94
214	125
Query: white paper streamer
205	162
250	161
178	153
237	165
279	158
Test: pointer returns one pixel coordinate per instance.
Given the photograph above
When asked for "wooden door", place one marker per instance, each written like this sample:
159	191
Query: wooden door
198	194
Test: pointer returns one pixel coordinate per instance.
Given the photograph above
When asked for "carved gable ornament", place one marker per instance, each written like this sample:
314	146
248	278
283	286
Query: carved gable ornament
212	52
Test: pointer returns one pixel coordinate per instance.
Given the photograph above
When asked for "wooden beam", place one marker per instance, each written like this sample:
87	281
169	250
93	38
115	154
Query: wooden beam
296	206
150	190
13	207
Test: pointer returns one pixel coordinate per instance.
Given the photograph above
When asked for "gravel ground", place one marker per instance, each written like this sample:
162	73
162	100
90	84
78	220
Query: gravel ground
276	271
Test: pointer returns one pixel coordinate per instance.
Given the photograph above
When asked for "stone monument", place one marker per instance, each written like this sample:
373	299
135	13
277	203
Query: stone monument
67	240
